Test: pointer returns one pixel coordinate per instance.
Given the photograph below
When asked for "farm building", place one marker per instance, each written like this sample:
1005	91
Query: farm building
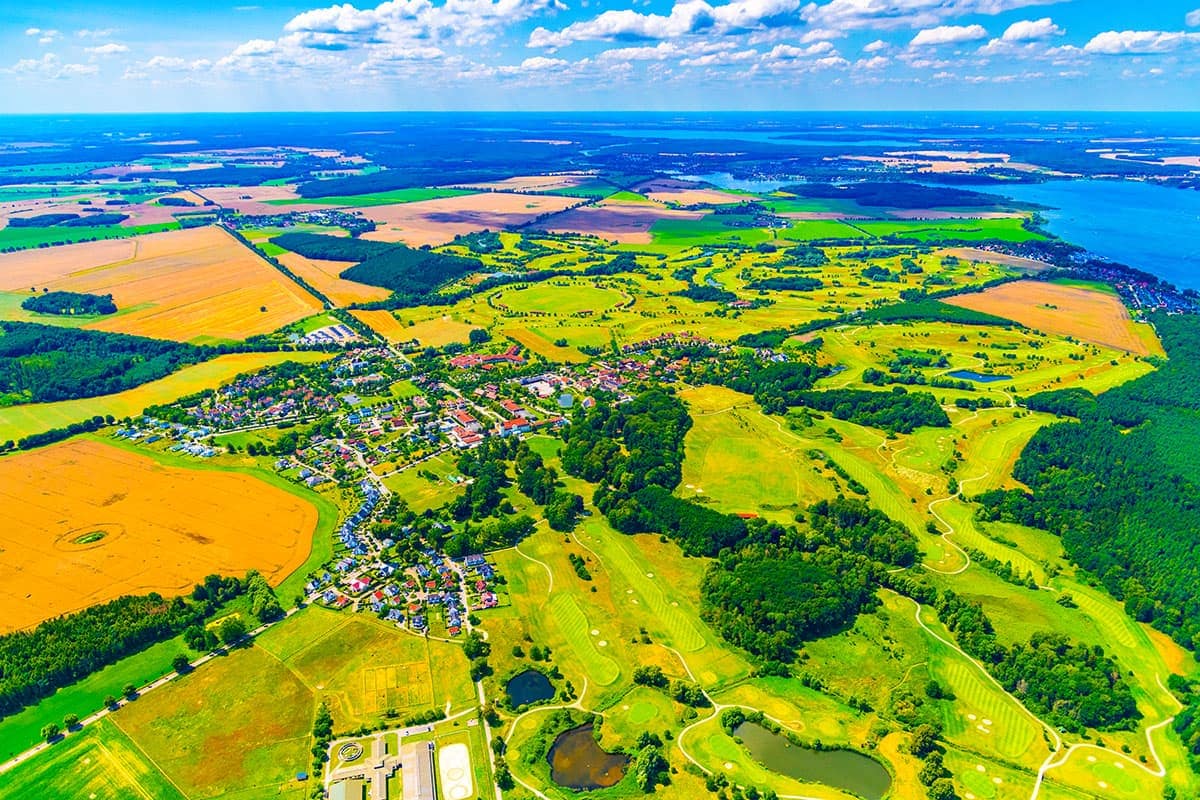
416	771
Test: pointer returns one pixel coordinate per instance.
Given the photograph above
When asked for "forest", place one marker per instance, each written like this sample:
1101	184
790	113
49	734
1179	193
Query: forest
70	303
897	410
43	363
793	283
1120	485
411	275
785	586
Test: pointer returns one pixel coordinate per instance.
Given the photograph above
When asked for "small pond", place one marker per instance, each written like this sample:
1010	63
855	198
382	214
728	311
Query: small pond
978	377
577	762
842	769
529	686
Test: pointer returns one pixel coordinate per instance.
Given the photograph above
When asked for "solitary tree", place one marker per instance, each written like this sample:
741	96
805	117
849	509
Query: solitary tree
70	721
50	732
129	691
231	630
180	663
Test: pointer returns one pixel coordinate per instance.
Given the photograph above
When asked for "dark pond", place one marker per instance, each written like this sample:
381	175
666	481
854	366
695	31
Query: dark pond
577	762
978	377
843	769
529	686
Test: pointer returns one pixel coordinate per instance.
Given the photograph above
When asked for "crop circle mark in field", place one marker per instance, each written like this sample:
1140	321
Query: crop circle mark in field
89	537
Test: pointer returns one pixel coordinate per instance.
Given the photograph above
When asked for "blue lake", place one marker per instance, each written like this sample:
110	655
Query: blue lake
1144	226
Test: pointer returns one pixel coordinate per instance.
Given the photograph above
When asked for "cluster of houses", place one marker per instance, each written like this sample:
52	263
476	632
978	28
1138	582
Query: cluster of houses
408	596
488	360
339	334
187	440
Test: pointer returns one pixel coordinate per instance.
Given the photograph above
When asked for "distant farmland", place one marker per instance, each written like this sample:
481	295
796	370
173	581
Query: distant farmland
193	285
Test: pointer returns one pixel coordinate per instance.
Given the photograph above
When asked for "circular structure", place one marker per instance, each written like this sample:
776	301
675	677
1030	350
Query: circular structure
559	299
89	537
350	751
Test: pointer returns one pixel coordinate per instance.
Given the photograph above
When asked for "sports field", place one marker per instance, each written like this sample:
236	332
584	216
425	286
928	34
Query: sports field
19	421
197	285
1083	313
84	522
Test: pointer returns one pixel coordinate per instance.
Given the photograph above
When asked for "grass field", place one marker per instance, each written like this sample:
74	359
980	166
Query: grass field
237	745
1008	229
100	763
808	230
163	528
38	238
739	458
198	285
558	298
19	421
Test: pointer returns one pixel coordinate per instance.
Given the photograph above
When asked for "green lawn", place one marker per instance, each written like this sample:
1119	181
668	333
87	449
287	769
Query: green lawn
1008	229
98	763
24	238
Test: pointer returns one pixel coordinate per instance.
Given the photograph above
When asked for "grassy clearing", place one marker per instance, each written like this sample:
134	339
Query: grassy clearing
812	229
99	763
24	238
560	298
1008	229
19	421
738	458
212	748
419	491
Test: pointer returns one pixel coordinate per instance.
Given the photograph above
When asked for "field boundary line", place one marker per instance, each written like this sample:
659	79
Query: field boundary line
146	756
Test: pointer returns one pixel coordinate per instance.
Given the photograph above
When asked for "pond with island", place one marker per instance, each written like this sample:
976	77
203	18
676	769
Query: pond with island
842	769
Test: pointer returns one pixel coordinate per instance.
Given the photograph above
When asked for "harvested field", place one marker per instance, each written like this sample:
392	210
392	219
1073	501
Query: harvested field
620	221
84	522
439	221
1064	310
253	199
325	277
385	324
199	284
440	331
534	183
686	193
988	257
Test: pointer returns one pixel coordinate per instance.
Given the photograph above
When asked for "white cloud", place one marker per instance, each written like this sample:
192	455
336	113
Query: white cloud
1116	43
686	17
875	62
876	46
1030	30
720	59
899	14
948	34
44	36
50	67
110	49
1193	19
33	31
94	33
787	52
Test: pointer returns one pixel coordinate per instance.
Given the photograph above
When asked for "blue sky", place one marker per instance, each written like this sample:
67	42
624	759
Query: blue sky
136	55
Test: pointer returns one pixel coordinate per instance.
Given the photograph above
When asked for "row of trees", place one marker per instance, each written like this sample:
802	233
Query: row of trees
60	651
